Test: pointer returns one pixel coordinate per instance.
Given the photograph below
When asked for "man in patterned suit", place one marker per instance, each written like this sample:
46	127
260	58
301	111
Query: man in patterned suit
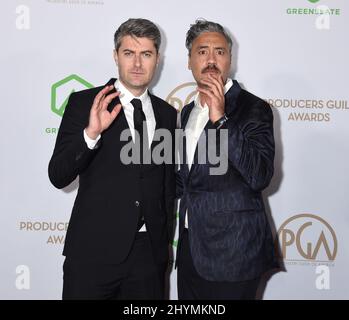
225	241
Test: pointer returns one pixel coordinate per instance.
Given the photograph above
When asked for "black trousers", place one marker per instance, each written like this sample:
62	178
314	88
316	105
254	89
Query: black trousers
191	286
138	277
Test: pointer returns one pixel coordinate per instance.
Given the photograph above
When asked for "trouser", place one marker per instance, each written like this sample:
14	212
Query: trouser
191	286
138	277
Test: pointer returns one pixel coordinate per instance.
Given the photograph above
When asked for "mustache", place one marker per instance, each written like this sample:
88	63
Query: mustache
210	67
137	70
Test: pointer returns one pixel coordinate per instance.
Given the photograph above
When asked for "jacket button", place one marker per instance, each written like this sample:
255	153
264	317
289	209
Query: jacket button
137	203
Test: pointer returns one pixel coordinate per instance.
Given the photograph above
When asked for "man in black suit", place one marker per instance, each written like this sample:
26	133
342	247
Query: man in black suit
225	242
118	238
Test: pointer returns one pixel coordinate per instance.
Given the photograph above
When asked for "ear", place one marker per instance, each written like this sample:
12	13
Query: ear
115	54
158	59
189	63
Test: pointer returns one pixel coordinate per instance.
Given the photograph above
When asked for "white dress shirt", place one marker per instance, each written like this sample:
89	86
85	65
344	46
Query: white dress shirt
197	121
125	98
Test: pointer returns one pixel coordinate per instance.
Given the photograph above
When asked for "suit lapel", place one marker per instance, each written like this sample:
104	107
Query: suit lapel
184	120
231	98
158	118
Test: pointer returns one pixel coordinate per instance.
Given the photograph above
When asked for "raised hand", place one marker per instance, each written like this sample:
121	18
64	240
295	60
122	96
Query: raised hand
100	117
214	96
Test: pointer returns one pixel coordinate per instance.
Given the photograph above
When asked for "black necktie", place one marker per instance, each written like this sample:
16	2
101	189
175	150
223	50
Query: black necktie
138	114
138	118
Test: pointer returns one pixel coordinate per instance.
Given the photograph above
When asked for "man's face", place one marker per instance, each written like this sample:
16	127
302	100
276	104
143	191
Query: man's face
210	54
136	59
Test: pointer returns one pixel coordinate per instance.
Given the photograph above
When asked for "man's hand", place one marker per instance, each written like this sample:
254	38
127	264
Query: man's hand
100	117
214	96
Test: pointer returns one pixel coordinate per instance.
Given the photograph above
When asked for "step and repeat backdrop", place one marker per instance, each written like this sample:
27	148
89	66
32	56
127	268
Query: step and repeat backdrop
292	53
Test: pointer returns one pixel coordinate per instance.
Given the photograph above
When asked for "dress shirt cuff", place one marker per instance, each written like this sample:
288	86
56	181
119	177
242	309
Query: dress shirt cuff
91	144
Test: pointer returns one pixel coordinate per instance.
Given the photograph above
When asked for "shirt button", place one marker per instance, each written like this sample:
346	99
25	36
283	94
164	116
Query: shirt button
137	203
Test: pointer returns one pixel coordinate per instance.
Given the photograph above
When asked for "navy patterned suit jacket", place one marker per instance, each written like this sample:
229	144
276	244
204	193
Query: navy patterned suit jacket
229	234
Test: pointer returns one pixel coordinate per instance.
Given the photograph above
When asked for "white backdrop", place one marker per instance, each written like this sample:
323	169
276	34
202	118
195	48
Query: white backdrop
284	52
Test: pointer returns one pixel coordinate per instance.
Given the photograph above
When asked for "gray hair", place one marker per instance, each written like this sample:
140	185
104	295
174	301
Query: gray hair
200	26
140	28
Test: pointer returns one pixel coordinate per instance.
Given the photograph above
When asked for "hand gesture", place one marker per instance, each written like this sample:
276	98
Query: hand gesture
100	117
215	96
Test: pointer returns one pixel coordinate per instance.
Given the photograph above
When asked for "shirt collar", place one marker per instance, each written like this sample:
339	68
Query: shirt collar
126	96
197	104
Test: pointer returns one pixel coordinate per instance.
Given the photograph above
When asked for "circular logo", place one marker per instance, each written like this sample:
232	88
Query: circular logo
182	95
307	237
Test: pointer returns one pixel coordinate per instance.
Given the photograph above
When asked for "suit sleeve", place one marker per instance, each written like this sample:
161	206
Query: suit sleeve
170	183
180	153
251	146
71	154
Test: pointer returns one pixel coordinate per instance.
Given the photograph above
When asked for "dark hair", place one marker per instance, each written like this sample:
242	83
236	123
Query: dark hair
200	26
140	28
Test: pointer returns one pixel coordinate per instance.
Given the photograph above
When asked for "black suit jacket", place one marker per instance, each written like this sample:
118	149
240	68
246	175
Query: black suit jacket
229	235
104	218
